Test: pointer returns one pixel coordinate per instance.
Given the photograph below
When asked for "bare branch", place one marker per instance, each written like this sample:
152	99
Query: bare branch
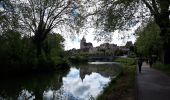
155	6
56	24
55	17
149	6
33	13
52	11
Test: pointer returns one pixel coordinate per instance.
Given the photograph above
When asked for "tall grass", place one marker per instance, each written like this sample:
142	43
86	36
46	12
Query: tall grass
162	67
123	87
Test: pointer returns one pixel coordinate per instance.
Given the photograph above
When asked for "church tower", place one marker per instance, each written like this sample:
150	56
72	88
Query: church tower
82	43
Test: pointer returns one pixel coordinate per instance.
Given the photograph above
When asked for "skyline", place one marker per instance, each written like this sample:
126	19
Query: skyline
117	39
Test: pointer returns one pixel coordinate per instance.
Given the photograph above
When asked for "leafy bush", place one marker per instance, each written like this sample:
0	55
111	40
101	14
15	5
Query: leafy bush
162	67
18	53
126	61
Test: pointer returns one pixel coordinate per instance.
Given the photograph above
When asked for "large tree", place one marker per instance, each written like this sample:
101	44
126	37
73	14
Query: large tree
41	16
37	18
123	14
7	19
148	42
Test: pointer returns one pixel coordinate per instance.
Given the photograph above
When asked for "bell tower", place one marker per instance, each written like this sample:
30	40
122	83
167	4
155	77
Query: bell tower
82	43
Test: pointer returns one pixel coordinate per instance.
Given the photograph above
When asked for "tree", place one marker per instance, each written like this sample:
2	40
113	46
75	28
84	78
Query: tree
8	17
122	14
149	42
53	45
39	17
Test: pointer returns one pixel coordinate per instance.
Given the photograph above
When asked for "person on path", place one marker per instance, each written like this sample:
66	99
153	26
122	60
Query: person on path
150	62
140	64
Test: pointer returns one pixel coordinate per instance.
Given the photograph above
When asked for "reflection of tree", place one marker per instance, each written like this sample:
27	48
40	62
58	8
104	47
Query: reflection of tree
106	70
25	95
35	85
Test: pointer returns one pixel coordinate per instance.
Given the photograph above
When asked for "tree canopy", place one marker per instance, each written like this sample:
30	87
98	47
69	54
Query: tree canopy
37	18
112	15
148	42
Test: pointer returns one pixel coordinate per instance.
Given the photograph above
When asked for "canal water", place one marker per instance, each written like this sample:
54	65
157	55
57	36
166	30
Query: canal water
81	82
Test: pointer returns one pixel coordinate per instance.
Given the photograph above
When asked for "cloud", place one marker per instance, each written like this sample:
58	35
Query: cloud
117	39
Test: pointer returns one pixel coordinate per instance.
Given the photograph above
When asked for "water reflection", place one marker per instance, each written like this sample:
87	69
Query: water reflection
79	83
90	86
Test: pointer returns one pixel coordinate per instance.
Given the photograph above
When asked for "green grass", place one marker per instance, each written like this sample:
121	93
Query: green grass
162	67
125	61
123	87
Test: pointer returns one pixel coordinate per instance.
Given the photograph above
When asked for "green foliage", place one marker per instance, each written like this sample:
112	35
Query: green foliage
78	59
19	53
162	67
53	46
120	52
121	88
126	61
148	41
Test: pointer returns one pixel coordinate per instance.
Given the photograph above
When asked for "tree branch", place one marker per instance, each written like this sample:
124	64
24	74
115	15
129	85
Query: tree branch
33	13
52	10
56	24
154	6
55	17
149	6
27	23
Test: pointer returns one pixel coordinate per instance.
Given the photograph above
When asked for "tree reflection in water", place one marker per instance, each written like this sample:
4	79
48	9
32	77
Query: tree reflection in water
79	83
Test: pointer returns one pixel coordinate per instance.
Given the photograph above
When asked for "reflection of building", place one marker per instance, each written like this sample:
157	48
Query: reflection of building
106	70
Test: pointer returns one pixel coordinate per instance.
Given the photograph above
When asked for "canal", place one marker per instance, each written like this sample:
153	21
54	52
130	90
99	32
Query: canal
80	82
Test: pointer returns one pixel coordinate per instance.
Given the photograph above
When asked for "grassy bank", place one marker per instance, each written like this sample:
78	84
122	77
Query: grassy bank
123	87
162	67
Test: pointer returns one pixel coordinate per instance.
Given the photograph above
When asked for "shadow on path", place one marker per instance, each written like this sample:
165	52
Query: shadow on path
152	84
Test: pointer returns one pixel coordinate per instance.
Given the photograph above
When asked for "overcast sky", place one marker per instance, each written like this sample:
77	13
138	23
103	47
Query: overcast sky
75	43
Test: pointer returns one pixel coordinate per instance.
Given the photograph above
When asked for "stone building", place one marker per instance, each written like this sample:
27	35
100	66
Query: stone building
108	46
129	44
84	45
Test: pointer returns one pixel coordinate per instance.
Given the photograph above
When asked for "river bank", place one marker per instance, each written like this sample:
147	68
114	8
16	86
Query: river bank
123	87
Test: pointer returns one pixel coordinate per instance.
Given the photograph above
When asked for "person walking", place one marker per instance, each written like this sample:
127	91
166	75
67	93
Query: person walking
140	64
150	62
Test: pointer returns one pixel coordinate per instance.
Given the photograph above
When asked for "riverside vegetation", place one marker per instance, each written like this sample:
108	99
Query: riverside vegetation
18	53
162	67
123	87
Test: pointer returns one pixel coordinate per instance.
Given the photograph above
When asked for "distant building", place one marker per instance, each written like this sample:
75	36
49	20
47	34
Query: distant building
84	45
105	48
129	44
108	46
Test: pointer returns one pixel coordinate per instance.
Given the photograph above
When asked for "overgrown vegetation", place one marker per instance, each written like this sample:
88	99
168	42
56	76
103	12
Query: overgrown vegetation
120	52
18	53
162	67
123	15
148	40
123	87
77	59
26	33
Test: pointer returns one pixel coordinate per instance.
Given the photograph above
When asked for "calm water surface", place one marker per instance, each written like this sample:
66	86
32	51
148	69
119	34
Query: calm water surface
82	82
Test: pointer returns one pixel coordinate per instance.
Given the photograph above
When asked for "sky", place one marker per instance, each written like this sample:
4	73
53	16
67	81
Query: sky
75	43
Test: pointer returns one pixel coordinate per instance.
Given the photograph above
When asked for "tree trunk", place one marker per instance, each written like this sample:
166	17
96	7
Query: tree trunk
166	53
39	49
38	39
161	17
163	22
